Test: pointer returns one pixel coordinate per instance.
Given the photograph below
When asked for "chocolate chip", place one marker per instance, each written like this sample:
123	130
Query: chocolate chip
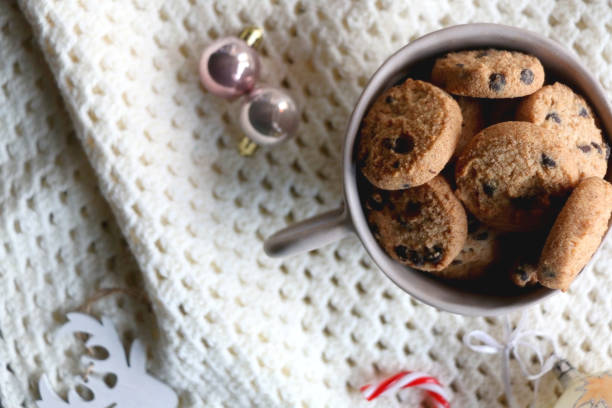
549	273
459	65
488	189
597	147
497	82
547	161
482	236
456	262
404	144
376	201
416	258
396	164
401	252
389	99
412	209
585	148
527	76
435	254
524	202
374	228
387	143
482	54
554	117
583	112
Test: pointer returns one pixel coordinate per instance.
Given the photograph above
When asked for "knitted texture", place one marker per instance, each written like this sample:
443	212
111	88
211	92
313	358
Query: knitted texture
60	242
236	327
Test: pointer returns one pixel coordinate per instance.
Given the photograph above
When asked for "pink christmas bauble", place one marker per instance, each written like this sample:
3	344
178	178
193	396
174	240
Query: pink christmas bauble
269	116
229	67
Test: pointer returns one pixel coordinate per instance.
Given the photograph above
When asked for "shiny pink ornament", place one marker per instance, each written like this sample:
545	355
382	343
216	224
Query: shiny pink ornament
269	116
229	67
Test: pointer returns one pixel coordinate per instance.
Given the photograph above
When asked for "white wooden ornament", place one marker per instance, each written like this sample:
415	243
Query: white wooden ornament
134	387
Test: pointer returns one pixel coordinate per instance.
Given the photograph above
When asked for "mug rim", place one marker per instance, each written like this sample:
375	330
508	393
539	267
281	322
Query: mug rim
464	36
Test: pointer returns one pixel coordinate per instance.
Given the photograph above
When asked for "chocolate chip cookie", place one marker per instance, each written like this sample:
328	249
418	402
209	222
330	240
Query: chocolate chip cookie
523	274
423	227
481	249
511	175
408	135
488	73
558	108
576	233
473	122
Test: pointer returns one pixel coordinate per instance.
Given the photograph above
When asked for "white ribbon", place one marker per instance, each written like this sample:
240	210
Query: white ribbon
482	342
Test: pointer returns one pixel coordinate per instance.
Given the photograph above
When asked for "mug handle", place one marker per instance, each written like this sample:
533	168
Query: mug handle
310	234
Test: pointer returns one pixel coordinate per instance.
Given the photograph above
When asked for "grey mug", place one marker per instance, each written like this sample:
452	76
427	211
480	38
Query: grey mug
350	219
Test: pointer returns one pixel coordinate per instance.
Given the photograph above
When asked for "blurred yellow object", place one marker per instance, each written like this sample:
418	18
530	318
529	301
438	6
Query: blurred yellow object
252	35
247	147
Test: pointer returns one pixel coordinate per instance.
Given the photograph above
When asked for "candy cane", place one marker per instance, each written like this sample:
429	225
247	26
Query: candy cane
407	379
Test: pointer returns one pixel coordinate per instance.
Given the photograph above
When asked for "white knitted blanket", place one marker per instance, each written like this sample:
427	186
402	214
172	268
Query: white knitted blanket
232	327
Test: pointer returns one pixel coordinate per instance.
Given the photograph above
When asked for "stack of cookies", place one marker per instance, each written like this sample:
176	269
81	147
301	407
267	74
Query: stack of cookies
506	168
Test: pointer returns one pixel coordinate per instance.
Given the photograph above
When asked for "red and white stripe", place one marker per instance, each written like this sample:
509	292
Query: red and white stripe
408	379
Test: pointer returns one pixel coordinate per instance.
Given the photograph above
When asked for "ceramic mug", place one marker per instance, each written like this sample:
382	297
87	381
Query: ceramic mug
419	54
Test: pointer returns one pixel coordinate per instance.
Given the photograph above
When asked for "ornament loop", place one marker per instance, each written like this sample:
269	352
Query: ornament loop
513	339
